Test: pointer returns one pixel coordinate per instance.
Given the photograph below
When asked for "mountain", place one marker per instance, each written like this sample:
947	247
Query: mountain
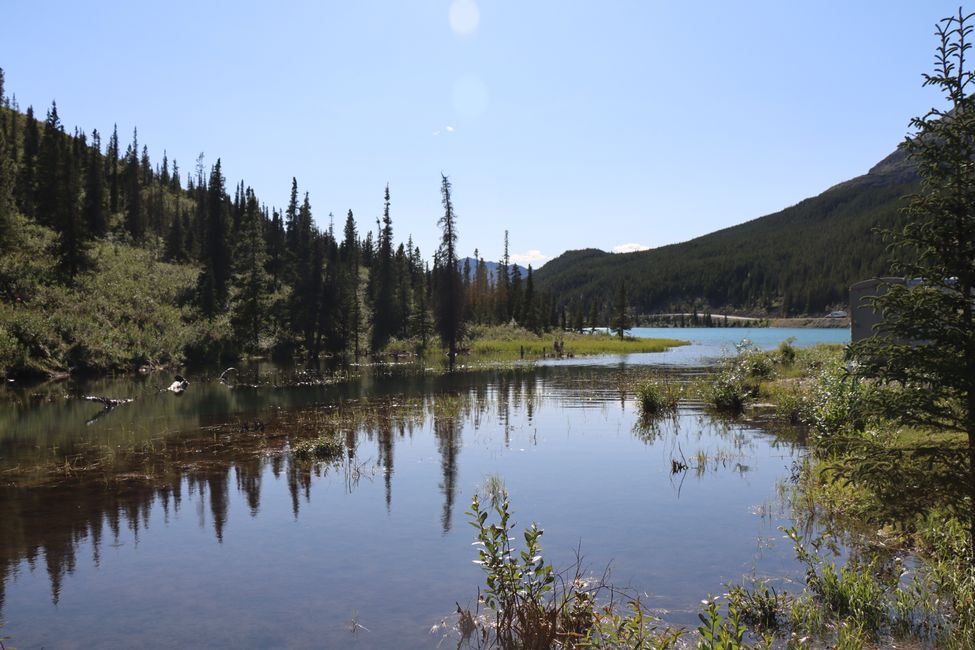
492	268
799	260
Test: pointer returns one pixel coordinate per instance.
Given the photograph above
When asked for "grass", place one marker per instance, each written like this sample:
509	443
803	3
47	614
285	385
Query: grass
504	342
325	447
658	397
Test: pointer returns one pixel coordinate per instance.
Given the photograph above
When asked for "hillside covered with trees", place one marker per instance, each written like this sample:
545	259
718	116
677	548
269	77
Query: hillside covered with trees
112	261
800	260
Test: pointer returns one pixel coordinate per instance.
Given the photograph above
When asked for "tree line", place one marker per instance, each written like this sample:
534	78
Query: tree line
271	279
801	260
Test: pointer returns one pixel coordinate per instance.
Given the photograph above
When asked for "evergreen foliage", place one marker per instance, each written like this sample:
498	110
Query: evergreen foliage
621	312
251	284
449	299
270	281
800	260
925	341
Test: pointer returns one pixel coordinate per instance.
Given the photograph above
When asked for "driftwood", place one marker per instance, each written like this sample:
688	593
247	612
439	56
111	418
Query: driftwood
109	403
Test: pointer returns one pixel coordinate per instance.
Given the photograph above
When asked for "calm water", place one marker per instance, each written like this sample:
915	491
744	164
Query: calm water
241	547
709	344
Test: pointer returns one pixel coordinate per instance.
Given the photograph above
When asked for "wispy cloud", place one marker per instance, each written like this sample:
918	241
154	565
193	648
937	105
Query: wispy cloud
534	257
449	129
630	248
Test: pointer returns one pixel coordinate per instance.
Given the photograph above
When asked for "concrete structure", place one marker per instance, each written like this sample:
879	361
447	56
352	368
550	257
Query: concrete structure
863	318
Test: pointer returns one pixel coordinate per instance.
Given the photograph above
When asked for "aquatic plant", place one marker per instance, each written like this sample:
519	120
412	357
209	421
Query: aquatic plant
760	606
324	447
657	397
531	605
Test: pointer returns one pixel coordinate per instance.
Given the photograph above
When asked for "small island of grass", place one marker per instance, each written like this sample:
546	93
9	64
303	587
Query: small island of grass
505	342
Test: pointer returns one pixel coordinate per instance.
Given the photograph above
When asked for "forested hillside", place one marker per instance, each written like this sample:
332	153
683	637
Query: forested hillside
797	261
111	261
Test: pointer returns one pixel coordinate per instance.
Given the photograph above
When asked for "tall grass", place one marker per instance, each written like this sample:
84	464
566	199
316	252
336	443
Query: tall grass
658	397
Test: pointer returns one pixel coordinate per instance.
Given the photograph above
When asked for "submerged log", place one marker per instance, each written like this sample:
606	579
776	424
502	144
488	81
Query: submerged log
109	403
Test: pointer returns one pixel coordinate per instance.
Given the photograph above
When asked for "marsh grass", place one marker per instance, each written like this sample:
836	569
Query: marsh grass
512	343
658	397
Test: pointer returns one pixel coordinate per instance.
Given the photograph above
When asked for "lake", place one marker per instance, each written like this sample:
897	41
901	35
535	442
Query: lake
199	528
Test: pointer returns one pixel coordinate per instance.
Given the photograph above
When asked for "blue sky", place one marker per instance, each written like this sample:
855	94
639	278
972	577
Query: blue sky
571	124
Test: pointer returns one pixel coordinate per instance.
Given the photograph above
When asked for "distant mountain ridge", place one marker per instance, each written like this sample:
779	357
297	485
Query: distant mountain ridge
799	260
491	267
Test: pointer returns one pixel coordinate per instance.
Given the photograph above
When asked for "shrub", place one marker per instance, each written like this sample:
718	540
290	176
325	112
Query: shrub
533	606
657	397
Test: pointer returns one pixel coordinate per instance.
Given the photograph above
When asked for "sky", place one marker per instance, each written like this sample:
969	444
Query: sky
572	124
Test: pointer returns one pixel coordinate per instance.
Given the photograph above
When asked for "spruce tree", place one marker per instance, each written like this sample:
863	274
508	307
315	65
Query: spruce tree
621	320
385	319
73	245
449	299
135	217
50	192
216	244
530	316
93	211
25	187
111	160
251	281
6	192
176	241
924	345
514	294
502	287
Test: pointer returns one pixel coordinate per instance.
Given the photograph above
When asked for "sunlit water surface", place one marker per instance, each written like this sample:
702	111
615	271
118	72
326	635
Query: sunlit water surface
260	551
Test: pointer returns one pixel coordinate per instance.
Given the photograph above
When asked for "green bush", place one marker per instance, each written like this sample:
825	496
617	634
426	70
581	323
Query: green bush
657	397
533	606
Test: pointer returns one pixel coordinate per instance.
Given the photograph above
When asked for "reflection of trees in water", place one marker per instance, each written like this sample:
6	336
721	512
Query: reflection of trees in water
54	521
447	412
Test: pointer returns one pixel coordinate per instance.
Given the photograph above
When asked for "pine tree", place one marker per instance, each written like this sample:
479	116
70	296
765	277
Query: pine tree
421	320
25	187
216	244
621	312
135	218
73	245
6	188
502	286
482	290
93	211
276	249
111	160
349	254
925	342
251	281
291	220
174	181
385	319
50	200
530	317
449	299
176	241
514	294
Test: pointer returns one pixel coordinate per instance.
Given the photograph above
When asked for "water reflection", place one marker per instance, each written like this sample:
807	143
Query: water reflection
206	458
